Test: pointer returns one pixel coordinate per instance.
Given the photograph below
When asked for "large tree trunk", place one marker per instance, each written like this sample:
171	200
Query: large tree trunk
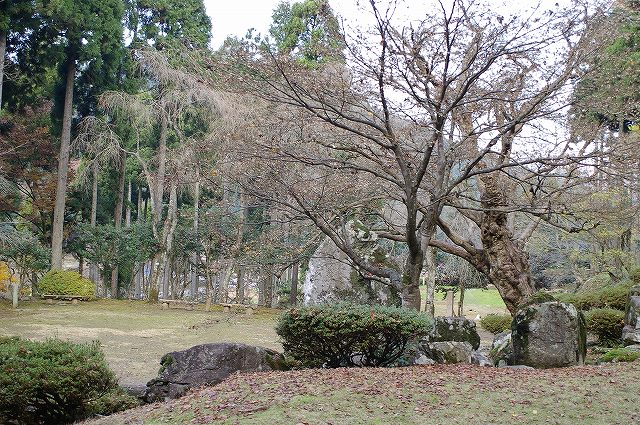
57	233
3	51
195	257
240	286
411	280
117	218
293	294
93	268
509	262
430	279
158	189
268	287
167	240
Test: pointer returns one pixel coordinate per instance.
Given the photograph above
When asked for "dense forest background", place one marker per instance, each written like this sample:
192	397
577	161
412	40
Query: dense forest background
461	150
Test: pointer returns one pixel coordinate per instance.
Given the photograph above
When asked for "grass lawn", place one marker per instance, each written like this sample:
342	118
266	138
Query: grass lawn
413	395
476	302
134	334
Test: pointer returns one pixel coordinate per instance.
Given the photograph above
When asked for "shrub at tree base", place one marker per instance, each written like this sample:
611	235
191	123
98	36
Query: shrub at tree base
606	323
55	382
66	282
349	335
619	355
496	323
614	296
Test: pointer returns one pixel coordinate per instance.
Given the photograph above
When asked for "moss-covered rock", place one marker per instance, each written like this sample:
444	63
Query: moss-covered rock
550	334
631	330
457	329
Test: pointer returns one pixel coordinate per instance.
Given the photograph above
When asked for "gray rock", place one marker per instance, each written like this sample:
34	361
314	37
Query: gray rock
517	366
449	352
631	330
634	347
457	329
481	359
207	364
424	360
136	390
550	334
502	349
330	279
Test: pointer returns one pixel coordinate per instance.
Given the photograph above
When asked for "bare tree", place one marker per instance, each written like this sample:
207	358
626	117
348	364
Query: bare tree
421	111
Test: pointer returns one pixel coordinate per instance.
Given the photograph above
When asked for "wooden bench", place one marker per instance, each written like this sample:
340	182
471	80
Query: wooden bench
245	308
73	298
166	304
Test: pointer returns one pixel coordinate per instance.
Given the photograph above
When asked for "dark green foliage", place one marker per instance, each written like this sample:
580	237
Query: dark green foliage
537	298
66	282
634	275
116	400
52	382
496	323
349	335
616	355
308	30
606	323
614	296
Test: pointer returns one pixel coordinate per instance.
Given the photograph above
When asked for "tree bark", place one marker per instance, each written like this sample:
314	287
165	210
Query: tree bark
156	199
268	287
127	215
509	262
57	233
117	218
167	239
93	268
195	258
3	51
293	294
240	286
430	280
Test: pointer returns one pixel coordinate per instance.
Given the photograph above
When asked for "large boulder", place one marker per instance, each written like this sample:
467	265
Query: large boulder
330	279
550	334
450	352
457	329
207	364
501	353
631	330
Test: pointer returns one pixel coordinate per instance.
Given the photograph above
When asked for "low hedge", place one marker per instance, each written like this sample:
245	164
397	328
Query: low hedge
56	382
606	323
349	335
496	323
614	296
65	282
619	355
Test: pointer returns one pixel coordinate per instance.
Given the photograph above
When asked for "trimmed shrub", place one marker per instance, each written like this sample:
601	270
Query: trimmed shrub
52	382
496	323
606	323
616	355
349	335
65	282
614	297
116	400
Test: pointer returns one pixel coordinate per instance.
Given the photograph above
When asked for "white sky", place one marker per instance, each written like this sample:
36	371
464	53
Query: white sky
235	17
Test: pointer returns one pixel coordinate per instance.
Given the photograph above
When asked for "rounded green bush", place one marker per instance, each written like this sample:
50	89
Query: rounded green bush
496	323
51	382
349	334
614	296
606	323
616	355
66	282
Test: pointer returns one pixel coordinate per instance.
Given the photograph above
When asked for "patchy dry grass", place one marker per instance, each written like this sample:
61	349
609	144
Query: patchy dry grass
134	334
420	394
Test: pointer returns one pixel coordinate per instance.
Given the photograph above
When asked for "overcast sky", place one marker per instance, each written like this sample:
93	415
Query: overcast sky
235	17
